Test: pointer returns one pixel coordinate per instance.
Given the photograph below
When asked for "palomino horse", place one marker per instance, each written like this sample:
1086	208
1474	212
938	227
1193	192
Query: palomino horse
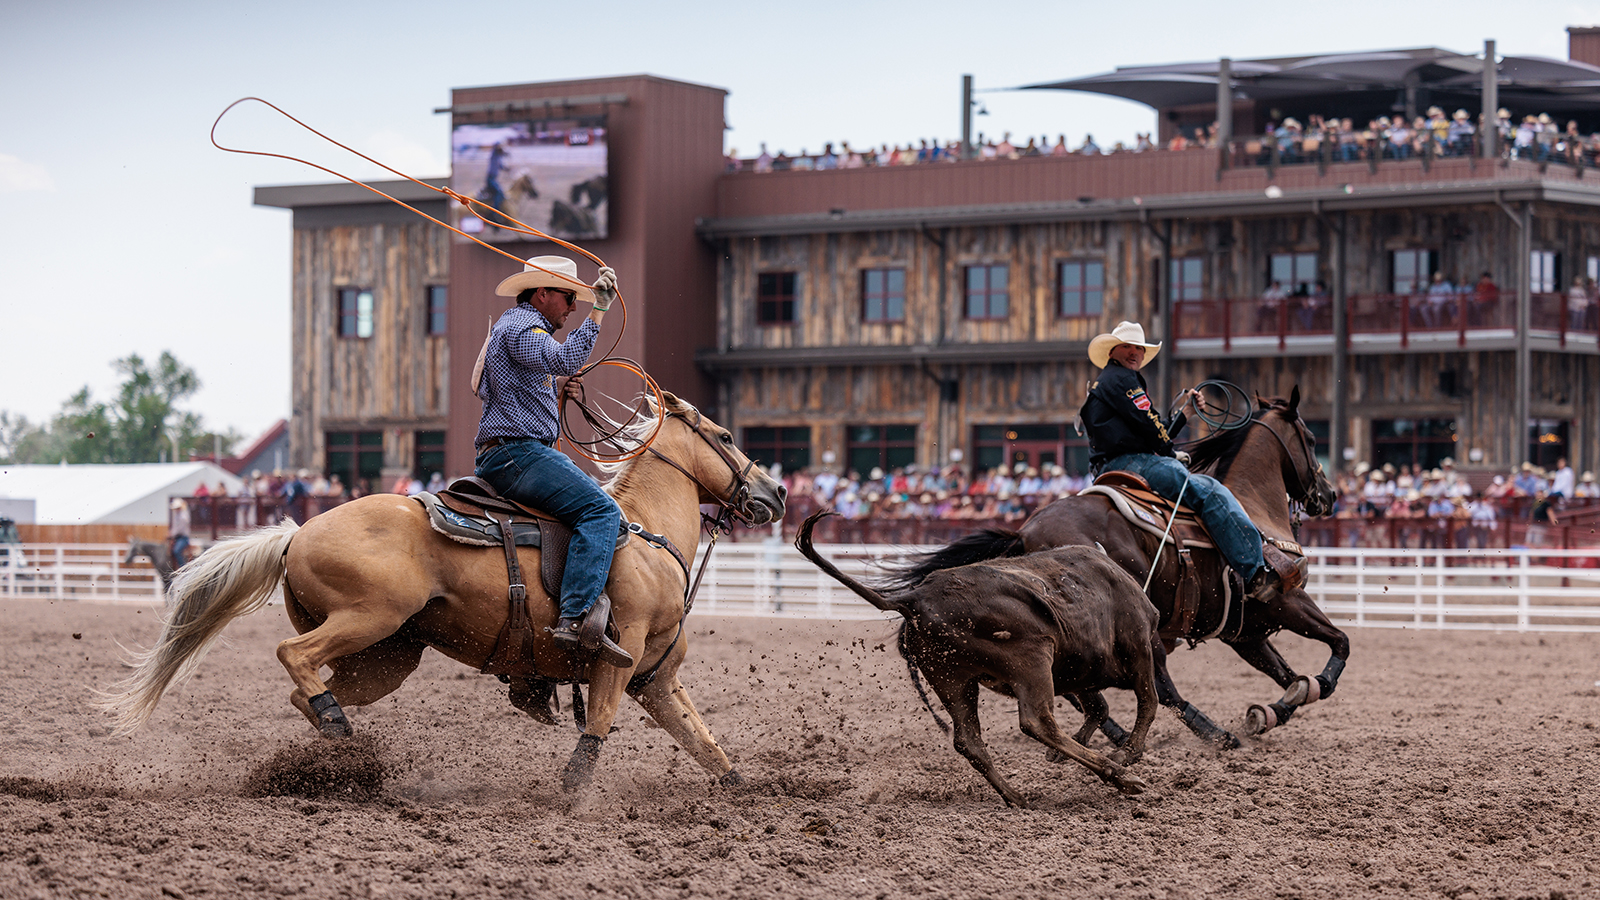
159	554
369	585
1264	463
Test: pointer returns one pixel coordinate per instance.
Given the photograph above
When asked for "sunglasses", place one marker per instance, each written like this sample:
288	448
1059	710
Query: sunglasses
571	296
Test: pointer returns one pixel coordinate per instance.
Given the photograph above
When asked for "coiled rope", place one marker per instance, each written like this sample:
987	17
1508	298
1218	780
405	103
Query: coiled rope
606	432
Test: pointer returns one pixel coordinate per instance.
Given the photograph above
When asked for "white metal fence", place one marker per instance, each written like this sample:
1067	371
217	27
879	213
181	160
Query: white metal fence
75	572
1520	590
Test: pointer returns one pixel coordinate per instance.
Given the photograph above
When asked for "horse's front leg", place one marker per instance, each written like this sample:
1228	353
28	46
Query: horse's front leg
607	684
666	700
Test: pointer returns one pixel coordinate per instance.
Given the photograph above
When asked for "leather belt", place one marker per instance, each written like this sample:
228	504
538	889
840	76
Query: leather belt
491	443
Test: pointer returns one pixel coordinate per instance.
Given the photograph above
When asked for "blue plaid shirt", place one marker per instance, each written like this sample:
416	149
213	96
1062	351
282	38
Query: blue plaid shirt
519	374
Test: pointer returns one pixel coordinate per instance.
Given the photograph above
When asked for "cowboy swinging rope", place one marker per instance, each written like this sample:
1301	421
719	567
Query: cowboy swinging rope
606	432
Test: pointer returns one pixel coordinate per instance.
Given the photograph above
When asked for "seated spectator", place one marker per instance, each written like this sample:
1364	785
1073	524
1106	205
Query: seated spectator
1267	308
1485	300
1459	133
1060	147
1578	304
1089	147
731	162
803	162
435	483
827	160
852	159
1312	305
1441	293
200	491
1526	483
1500	489
764	161
1587	489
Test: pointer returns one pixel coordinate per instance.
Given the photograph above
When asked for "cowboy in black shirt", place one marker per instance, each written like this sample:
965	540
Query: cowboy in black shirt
1126	433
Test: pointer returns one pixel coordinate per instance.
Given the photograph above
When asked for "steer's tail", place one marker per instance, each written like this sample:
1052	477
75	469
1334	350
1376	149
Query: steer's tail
802	542
979	546
232	579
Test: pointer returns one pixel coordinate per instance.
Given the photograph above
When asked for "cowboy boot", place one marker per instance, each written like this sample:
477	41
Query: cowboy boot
587	633
1291	570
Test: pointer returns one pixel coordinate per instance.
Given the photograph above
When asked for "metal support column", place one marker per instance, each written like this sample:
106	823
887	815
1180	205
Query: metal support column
1489	134
1524	380
1224	112
966	117
1339	421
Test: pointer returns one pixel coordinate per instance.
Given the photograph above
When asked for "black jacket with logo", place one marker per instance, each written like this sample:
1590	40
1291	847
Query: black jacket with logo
1121	418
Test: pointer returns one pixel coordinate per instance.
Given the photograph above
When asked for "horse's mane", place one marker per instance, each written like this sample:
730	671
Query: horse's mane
1220	447
634	433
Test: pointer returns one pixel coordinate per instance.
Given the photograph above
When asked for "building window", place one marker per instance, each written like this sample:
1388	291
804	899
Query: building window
1406	442
438	303
886	447
883	295
1297	272
987	292
1035	445
1083	289
1412	269
790	447
429	454
356	457
355	312
775	298
1188	279
1544	278
1547	441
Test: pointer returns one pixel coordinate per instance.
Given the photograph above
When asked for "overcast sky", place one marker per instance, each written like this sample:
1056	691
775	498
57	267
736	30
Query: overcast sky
123	231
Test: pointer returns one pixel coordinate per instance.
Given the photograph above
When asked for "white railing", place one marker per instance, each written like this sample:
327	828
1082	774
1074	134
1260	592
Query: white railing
75	572
1502	590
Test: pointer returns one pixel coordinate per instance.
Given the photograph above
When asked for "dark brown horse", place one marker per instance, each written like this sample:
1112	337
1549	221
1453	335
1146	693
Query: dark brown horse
1265	463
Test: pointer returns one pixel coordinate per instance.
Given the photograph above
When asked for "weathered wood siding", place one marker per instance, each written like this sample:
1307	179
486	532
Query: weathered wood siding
397	378
1472	387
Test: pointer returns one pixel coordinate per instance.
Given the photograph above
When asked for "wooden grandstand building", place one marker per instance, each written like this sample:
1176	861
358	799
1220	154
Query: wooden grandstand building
938	313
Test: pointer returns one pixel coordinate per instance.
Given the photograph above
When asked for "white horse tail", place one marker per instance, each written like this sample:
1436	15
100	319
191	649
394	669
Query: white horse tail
232	579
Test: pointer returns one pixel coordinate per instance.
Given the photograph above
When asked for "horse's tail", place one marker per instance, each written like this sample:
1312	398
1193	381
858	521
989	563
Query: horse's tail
980	546
802	542
916	677
232	579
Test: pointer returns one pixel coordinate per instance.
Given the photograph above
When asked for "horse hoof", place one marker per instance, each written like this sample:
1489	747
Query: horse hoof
731	778
1259	720
1226	741
1305	689
580	768
336	730
1130	784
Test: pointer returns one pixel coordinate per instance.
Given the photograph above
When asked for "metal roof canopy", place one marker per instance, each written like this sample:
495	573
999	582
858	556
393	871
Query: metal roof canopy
1523	79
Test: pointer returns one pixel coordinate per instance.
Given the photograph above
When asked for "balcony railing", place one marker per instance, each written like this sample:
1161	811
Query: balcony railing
1402	315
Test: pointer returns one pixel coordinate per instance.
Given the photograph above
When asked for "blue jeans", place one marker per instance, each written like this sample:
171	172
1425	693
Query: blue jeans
1236	537
545	479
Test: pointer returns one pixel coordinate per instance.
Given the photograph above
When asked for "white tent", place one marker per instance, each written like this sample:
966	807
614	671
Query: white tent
136	494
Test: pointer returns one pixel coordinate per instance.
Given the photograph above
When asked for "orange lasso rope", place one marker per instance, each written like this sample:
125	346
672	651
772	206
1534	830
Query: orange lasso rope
581	447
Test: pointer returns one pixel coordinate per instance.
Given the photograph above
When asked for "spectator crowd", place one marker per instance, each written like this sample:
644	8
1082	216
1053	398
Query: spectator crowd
1536	137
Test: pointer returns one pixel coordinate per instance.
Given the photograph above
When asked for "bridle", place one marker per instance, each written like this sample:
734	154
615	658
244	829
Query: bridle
1301	492
737	503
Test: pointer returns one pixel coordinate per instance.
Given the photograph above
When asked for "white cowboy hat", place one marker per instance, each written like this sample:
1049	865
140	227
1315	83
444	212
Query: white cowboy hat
546	271
1125	333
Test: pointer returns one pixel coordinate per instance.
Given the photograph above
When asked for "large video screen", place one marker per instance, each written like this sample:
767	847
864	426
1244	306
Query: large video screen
549	174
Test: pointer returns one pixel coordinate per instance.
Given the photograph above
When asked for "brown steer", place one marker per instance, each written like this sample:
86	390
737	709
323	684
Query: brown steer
1066	621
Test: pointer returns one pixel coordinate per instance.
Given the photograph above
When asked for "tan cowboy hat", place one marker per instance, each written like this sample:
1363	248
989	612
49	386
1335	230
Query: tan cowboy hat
1125	333
546	271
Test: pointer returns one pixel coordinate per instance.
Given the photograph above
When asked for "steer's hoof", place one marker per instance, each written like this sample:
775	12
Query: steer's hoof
1131	784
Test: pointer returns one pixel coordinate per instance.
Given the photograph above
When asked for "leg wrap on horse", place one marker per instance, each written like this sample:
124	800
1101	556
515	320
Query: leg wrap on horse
1329	679
330	718
580	768
1114	733
1201	724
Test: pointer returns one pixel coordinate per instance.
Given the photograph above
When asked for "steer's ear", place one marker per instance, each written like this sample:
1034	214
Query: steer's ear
1294	400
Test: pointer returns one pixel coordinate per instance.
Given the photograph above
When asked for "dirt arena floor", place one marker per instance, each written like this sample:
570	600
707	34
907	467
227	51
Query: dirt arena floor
1456	765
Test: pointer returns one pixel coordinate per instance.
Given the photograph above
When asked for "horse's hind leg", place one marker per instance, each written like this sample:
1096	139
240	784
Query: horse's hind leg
367	676
343	633
1198	722
666	700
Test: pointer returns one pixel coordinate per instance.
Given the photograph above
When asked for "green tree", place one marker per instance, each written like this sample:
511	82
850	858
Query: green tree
143	424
